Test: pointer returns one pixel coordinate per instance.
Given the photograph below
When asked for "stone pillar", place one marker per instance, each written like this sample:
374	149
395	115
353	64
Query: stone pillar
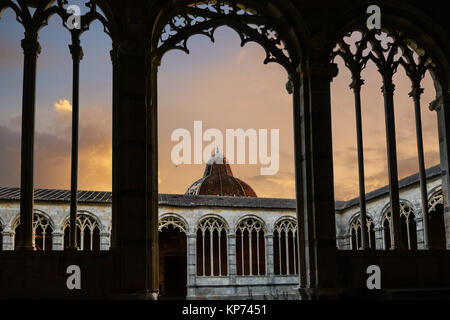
420	233
191	252
378	238
31	49
135	221
232	272
442	105
317	166
8	240
58	240
77	54
269	256
105	241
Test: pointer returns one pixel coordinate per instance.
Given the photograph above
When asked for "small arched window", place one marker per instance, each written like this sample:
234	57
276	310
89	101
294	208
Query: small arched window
250	248
212	248
355	233
42	232
285	248
436	223
88	233
407	225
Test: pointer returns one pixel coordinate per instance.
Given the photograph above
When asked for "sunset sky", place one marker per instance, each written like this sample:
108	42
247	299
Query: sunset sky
220	83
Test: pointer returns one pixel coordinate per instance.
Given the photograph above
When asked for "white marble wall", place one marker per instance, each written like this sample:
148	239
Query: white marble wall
268	286
376	209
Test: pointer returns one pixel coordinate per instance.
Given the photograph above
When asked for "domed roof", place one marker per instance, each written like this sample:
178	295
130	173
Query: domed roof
218	180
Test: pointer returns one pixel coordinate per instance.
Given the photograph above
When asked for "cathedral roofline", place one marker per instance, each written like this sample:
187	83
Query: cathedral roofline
183	200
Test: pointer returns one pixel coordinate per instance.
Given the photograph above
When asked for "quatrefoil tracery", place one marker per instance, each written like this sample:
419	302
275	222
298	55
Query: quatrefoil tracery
204	17
387	51
34	21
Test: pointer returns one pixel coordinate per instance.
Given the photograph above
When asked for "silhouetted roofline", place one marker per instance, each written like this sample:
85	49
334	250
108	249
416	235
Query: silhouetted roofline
184	200
403	183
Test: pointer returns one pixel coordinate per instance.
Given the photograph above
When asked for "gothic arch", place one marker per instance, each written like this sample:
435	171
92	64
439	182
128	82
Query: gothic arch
88	214
250	246
285	246
16	219
264	24
212	246
212	216
354	229
175	220
87	224
399	17
34	22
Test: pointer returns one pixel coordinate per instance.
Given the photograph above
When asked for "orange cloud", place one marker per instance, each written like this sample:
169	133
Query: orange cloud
63	106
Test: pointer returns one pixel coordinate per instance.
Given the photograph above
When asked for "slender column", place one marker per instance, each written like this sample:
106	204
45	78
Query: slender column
211	251
242	253
203	253
294	243
31	50
115	103
151	122
356	86
77	55
415	94
295	86
250	252
82	240
257	251
280	262
286	239
408	233
388	92
220	255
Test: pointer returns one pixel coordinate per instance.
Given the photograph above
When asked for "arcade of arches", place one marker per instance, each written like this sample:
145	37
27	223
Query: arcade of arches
241	241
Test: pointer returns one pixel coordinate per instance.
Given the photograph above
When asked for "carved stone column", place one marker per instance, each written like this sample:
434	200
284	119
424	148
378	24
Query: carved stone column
136	268
105	241
58	240
8	240
391	145
269	256
317	179
191	263
232	272
31	49
442	105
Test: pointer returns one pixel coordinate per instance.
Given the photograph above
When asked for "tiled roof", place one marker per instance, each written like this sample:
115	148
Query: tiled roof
7	193
180	200
184	200
403	183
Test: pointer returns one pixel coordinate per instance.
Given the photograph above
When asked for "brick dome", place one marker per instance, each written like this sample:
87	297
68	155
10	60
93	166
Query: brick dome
218	180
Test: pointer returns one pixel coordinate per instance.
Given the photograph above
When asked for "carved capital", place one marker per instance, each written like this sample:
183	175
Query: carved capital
328	70
416	91
30	46
76	51
388	88
356	84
